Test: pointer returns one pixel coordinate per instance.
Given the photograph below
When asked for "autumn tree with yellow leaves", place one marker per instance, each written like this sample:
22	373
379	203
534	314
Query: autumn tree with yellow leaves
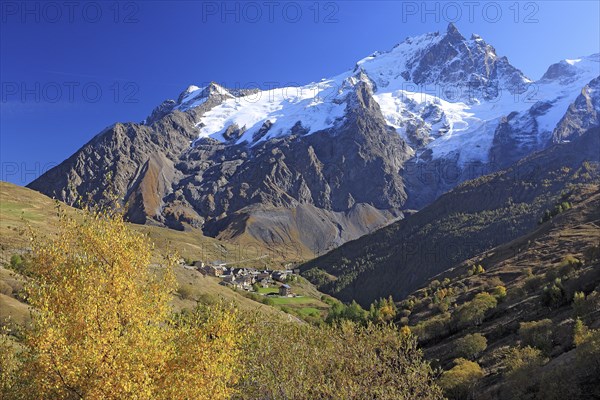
103	327
345	360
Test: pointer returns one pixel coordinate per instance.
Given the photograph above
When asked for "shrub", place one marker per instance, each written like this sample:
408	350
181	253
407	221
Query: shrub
353	312
518	358
552	274
558	209
460	381
569	264
499	293
570	259
537	334
404	313
492	282
341	361
408	304
104	327
553	294
185	292
383	310
16	260
470	346
441	294
432	328
17	263
588	357
444	305
475	270
532	283
473	312
580	332
10	361
585	306
558	384
522	366
268	301
515	293
252	296
579	304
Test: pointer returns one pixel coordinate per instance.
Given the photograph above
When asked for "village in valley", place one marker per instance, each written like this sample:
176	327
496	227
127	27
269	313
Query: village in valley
277	285
251	279
273	280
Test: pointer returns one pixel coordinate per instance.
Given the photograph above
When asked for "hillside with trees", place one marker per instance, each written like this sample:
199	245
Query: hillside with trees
521	320
98	307
472	218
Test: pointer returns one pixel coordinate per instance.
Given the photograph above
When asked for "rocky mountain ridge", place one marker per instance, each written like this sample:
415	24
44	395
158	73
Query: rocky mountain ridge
330	160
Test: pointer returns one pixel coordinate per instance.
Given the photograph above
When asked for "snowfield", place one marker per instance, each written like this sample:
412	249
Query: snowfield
312	105
460	127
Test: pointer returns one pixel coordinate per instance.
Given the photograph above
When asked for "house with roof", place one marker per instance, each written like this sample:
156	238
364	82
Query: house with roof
214	270
285	290
280	276
264	283
246	279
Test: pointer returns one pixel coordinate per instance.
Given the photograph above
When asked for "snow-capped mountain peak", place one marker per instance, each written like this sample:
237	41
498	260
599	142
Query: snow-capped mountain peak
345	154
444	94
194	96
448	61
565	71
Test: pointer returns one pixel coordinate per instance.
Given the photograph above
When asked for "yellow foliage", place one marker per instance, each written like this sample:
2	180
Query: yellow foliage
103	327
405	331
581	333
9	361
340	361
460	381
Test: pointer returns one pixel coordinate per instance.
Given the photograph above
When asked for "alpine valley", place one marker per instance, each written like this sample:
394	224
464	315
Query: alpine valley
433	216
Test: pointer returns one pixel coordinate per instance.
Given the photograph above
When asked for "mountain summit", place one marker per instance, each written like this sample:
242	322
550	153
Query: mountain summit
326	162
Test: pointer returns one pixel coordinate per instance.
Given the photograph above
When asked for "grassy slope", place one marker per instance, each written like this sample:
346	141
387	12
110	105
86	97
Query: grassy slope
20	207
208	290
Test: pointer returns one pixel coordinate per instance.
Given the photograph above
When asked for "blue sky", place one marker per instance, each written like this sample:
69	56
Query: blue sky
69	69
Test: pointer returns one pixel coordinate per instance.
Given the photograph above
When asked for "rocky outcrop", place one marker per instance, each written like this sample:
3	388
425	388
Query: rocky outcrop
583	114
470	64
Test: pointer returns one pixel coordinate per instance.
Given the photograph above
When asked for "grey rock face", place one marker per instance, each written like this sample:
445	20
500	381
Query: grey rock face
163	109
583	114
332	170
113	159
213	186
470	64
517	136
